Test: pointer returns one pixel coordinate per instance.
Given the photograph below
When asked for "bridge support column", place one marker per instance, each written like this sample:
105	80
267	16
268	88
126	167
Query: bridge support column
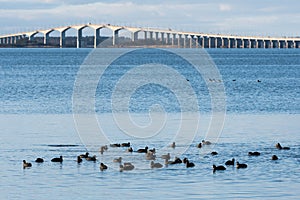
115	36
271	44
96	37
145	35
191	41
179	40
162	36
79	38
198	41
62	39
151	35
134	36
235	43
256	44
46	38
202	42
229	43
279	44
156	35
30	38
293	44
222	42
215	42
184	41
168	38
242	43
173	39
15	39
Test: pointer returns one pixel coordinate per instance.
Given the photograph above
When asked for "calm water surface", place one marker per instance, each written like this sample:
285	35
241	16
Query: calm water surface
36	87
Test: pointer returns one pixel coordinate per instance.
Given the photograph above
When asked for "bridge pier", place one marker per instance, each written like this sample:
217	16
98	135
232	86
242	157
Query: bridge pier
222	42
151	35
179	40
173	39
115	36
250	44
96	37
198	42
168	38
184	40
79	38
205	42
229	43
46	38
297	44
134	36
62	38
156	35
162	36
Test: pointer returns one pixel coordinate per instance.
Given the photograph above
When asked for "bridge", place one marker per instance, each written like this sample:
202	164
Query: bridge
176	39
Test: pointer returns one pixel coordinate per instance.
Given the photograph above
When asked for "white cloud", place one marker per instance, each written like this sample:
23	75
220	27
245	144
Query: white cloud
225	7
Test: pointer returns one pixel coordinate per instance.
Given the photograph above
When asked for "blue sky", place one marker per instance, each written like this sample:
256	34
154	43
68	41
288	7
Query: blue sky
237	17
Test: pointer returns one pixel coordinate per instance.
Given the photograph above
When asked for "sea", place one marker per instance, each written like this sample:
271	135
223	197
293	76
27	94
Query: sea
66	102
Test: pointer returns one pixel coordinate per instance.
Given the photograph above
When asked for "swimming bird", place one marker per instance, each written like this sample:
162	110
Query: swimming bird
150	156
91	158
151	150
126	167
127	163
125	144
103	148
176	161
278	146
115	145
118	160
199	145
155	165
166	156
255	153
173	145
84	155
214	153
26	164
217	168
240	165
60	159
79	160
103	167
129	149
230	162
39	160
188	164
274	157
206	142
145	150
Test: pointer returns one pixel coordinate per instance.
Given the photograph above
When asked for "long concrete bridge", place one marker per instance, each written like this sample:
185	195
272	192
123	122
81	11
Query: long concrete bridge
166	36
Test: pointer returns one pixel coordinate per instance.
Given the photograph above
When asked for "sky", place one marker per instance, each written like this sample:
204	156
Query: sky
234	17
